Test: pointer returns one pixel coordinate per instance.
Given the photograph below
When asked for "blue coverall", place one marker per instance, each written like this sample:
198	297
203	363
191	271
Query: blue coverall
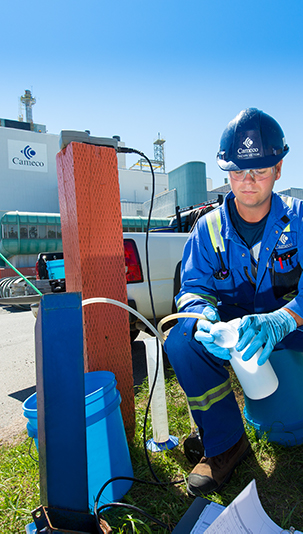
278	284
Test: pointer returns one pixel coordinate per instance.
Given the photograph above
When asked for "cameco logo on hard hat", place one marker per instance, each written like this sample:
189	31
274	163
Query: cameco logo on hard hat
251	143
248	142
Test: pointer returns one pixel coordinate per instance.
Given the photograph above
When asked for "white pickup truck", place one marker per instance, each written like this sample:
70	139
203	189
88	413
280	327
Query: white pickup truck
164	253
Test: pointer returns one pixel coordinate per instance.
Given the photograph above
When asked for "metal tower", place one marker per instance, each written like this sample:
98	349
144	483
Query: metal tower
159	152
28	100
158	163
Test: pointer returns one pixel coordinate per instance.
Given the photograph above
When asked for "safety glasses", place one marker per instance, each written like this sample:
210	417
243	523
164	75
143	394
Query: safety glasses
257	174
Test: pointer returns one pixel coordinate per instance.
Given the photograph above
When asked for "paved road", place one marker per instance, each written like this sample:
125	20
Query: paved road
17	367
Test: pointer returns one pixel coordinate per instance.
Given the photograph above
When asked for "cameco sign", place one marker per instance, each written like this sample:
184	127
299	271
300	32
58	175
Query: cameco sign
23	156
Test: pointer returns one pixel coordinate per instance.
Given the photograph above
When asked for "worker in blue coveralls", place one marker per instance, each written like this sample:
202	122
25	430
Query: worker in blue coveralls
243	259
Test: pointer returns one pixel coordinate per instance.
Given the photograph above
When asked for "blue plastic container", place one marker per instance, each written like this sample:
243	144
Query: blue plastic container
107	448
280	415
55	269
30	411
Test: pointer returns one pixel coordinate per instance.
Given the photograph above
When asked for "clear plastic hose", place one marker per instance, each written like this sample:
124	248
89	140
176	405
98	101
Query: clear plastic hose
160	426
158	333
125	307
180	315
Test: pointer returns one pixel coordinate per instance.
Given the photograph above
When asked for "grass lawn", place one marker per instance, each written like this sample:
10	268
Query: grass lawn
278	472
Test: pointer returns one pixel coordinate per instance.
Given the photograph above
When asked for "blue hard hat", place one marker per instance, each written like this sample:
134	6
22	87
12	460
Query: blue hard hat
252	140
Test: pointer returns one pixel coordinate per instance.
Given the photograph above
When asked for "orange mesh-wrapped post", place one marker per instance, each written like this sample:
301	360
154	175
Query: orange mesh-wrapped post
92	238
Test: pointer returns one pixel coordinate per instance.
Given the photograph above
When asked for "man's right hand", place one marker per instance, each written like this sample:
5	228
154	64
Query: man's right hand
203	336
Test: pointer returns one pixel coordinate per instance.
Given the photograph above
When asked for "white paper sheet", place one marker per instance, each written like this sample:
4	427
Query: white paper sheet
244	515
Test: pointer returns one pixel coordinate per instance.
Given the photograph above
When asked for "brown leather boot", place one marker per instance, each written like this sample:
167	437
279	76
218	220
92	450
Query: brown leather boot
211	473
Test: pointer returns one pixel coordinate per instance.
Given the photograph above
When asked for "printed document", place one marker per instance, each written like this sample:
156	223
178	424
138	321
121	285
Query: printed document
245	515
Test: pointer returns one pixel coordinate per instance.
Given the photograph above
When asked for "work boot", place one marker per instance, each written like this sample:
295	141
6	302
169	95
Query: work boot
193	447
211	473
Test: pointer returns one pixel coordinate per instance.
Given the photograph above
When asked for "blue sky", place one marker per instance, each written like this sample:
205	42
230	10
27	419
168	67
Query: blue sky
136	68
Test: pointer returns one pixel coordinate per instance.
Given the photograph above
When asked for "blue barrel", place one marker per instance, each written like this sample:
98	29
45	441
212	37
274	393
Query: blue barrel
107	449
280	415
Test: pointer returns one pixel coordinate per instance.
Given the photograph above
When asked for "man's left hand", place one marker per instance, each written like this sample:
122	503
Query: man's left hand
263	329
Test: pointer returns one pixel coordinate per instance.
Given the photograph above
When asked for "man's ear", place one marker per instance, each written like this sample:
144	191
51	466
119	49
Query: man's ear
278	169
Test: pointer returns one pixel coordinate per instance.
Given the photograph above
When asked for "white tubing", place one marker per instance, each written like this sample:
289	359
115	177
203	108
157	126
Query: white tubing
158	402
158	405
180	315
125	307
158	333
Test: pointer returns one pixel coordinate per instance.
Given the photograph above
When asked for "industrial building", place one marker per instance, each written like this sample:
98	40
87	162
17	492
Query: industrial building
28	170
29	207
29	175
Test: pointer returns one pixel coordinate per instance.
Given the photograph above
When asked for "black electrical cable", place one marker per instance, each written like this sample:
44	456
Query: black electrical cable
30	451
158	482
132	150
104	506
136	509
154	317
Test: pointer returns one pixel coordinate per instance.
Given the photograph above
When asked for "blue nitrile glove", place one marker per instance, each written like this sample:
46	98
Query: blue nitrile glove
267	328
203	335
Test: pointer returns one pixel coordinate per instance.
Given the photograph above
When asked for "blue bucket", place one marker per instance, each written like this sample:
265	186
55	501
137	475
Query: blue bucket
30	411
280	415
107	448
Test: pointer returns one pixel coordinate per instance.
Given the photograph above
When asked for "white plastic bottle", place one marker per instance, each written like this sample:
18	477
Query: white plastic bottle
257	381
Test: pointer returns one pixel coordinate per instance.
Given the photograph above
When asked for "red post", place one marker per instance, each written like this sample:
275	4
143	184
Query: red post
92	238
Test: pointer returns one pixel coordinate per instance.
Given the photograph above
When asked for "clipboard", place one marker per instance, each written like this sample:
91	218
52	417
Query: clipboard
191	516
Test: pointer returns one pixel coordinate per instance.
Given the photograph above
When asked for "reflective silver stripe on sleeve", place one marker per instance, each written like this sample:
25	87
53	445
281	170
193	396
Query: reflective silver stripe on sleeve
187	297
204	402
289	202
213	219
